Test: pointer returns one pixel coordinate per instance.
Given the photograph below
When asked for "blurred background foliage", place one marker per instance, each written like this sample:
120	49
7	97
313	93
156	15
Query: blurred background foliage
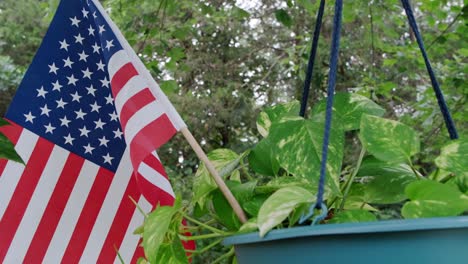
220	62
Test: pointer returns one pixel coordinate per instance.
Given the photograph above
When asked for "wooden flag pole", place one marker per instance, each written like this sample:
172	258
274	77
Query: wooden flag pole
219	181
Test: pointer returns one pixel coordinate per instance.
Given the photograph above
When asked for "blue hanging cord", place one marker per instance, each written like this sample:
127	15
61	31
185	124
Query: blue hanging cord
319	204
313	52
435	85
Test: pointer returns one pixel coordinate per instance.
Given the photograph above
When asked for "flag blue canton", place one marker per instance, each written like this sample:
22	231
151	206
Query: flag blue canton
65	95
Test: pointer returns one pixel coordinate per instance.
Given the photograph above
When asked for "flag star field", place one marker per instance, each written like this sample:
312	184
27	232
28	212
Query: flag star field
73	95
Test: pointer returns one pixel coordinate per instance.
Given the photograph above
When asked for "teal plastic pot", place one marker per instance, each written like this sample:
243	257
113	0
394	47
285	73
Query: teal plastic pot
425	241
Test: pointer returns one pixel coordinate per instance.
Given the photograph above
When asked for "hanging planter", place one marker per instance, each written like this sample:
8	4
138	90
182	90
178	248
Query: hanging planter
429	241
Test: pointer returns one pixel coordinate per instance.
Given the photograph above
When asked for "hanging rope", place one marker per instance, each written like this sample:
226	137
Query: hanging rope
435	85
330	94
319	204
313	52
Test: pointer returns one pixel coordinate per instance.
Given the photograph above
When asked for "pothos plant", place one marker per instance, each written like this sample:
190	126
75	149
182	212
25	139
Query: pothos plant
276	180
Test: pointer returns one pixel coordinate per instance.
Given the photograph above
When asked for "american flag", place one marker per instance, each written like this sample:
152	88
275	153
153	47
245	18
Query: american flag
86	120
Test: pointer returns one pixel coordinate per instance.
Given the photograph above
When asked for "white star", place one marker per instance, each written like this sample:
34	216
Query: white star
76	97
69	139
49	128
118	133
109	99
72	80
109	44
64	45
61	103
95	107
68	62
91	90
84	131
88	149
85	13
94	14
53	68
75	21
57	86
113	116
29	117
80	114
64	121
105	82
45	110
41	92
87	73
100	65
79	39
91	30
99	124
101	29
96	48
107	159
103	141
83	56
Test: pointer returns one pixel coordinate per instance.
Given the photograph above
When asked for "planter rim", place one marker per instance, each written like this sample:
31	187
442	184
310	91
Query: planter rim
353	228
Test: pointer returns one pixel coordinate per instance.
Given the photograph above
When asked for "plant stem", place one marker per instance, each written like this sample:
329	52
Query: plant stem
205	236
415	171
446	178
195	221
245	170
351	179
205	248
227	255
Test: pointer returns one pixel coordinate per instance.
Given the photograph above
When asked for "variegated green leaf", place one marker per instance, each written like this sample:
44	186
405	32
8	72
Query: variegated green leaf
432	199
279	205
385	183
388	140
348	107
156	226
352	216
299	150
225	162
274	114
454	157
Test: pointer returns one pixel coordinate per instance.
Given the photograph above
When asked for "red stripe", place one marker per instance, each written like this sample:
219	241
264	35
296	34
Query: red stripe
120	224
54	209
23	193
139	253
150	138
153	194
12	132
134	104
121	77
156	164
88	216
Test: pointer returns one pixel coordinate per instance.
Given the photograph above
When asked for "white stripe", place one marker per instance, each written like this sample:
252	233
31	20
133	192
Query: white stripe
141	119
132	87
117	61
13	170
141	69
130	241
71	213
171	112
155	178
37	205
108	210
